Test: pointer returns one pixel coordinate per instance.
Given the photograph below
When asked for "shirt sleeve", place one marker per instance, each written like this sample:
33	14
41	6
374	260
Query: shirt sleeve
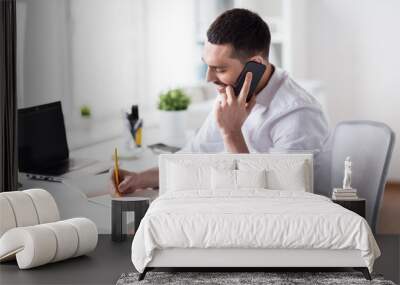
304	129
207	139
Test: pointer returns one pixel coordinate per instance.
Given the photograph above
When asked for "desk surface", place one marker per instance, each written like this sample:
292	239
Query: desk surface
102	266
87	195
97	185
103	151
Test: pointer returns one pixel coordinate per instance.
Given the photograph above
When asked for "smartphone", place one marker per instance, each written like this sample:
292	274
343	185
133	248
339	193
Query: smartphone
257	69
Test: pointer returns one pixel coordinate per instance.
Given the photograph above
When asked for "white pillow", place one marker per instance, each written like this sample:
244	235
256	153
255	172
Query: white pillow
282	174
187	177
223	179
291	178
251	178
226	179
193	175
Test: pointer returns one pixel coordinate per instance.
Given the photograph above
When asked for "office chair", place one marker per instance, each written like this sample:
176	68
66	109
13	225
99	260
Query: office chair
370	145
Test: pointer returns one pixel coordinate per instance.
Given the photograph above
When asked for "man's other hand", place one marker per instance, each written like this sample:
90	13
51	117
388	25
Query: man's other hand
128	182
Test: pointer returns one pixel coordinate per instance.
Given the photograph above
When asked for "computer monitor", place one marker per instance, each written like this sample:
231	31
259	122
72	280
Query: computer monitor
42	140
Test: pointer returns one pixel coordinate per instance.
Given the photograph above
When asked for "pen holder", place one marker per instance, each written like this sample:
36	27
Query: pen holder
135	128
136	131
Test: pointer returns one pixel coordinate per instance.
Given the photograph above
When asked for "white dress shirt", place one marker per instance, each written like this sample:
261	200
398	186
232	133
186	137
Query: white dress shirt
285	118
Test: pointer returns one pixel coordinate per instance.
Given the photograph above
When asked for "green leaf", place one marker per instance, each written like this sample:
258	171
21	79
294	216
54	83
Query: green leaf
173	100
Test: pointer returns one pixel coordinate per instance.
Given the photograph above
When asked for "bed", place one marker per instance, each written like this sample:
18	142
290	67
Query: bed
246	211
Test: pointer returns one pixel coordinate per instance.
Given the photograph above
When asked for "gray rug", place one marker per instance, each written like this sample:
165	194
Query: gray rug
226	278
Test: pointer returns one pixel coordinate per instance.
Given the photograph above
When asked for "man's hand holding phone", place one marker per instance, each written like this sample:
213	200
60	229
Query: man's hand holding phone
236	103
231	111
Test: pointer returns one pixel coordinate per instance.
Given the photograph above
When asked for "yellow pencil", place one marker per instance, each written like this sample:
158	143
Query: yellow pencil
116	173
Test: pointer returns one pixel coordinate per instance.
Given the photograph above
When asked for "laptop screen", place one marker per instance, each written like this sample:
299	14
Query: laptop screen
42	141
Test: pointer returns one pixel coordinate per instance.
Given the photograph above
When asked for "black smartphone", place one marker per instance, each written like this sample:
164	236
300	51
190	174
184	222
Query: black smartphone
257	69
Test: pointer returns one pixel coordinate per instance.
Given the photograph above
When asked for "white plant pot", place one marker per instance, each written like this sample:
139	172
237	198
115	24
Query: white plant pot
173	127
86	123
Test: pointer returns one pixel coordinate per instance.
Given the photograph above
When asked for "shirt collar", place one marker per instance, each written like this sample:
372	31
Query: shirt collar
267	93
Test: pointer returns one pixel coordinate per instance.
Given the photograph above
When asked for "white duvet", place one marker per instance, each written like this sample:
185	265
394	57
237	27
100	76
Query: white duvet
250	219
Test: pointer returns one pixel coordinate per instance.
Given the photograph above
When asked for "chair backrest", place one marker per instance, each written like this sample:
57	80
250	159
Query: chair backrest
370	146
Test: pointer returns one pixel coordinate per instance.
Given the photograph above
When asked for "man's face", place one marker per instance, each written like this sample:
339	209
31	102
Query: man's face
223	69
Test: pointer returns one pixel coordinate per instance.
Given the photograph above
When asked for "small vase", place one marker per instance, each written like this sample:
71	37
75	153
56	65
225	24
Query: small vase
86	123
173	127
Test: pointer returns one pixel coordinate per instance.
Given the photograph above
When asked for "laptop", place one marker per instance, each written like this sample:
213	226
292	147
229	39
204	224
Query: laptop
42	142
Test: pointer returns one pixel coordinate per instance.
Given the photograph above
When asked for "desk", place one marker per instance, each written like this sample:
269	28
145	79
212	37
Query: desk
87	196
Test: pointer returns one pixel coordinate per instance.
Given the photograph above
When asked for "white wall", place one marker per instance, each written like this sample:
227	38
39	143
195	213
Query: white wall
42	55
81	52
105	59
106	54
171	47
353	46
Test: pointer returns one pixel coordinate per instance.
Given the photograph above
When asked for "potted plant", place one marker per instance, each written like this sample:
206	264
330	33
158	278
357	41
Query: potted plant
173	106
86	113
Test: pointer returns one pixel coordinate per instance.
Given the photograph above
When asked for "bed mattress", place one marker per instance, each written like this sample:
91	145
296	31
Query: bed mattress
250	219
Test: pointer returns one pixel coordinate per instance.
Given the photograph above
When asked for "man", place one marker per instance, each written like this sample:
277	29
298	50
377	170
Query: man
280	117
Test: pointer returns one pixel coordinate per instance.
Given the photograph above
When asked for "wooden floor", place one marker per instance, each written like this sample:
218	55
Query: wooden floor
389	217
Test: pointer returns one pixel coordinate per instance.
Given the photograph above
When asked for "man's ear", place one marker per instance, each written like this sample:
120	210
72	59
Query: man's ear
258	59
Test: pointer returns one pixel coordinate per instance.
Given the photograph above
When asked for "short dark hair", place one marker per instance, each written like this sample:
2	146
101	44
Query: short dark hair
244	30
